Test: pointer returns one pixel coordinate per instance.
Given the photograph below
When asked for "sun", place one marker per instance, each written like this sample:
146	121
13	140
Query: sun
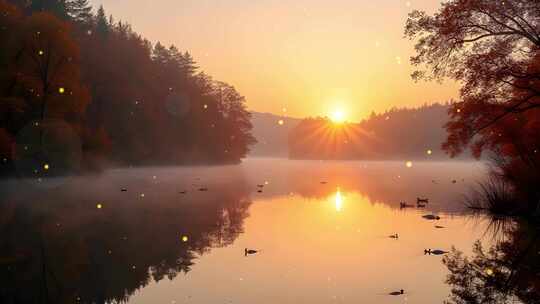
338	116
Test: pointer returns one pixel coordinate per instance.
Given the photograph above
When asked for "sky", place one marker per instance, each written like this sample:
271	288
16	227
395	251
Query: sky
298	57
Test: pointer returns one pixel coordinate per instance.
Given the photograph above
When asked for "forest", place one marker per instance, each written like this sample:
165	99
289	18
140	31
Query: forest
80	91
415	133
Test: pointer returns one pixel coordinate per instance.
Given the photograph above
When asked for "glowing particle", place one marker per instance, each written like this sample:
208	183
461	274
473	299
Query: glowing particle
408	164
185	238
89	32
99	206
41	53
61	90
284	109
281	122
142	194
133	267
205	106
266	182
458	110
489	271
429	152
46	166
398	60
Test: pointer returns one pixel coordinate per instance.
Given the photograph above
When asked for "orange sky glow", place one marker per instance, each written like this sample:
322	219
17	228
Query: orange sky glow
297	58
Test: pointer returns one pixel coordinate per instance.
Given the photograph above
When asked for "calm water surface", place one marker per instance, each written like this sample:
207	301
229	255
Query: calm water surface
321	227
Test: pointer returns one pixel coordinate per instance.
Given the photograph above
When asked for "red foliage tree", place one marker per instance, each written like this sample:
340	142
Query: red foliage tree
493	49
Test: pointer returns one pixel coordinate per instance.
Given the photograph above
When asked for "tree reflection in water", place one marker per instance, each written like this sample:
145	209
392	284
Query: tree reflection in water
67	249
507	272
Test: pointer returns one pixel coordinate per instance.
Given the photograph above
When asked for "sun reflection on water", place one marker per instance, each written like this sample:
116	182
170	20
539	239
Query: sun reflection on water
338	200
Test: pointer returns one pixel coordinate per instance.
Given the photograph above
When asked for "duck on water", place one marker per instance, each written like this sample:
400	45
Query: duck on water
397	293
249	251
434	252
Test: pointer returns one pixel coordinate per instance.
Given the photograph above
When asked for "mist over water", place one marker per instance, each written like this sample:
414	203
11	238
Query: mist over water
177	235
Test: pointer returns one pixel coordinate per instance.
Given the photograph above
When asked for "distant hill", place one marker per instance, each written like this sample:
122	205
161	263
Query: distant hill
272	136
396	134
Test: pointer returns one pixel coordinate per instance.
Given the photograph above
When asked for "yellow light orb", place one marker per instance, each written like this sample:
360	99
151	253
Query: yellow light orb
281	122
99	206
61	90
41	53
408	164
338	116
46	166
205	106
429	152
185	238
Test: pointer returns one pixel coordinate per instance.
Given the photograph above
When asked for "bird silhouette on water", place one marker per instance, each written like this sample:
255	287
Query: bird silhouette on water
434	252
431	217
404	205
397	293
249	251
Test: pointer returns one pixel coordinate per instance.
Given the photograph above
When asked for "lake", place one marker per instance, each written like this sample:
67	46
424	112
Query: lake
178	235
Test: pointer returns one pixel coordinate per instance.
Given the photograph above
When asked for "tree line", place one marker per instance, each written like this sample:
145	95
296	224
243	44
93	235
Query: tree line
395	134
79	89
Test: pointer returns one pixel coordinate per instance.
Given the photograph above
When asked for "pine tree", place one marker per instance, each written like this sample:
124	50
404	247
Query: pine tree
160	54
102	26
188	64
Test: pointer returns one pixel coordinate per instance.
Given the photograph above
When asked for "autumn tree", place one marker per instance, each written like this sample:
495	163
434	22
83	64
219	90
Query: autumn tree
489	47
493	49
45	99
48	67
